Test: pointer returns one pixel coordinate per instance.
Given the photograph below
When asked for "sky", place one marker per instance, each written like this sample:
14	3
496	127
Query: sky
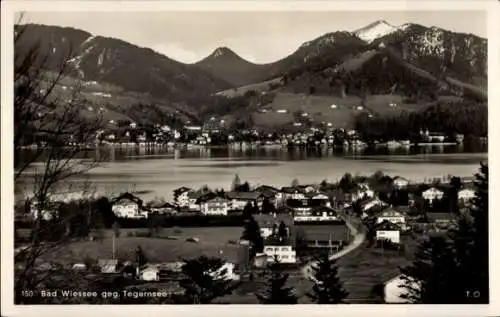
260	37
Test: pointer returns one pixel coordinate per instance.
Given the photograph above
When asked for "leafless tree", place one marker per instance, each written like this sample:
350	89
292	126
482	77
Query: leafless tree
41	109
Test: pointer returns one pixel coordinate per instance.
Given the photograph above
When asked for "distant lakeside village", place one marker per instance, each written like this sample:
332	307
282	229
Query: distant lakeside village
386	214
215	133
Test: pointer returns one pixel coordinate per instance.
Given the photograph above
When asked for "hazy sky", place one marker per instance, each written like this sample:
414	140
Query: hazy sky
260	37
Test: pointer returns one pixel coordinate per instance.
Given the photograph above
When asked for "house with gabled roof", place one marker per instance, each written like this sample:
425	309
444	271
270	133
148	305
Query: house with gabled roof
289	192
240	199
128	205
392	216
182	199
432	194
272	193
162	207
387	231
281	250
318	199
465	195
215	206
399	182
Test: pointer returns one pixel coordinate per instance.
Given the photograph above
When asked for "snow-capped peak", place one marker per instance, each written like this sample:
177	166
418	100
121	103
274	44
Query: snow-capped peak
375	30
220	51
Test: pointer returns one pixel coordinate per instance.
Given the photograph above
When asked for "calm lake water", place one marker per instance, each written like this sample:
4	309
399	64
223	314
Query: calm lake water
156	172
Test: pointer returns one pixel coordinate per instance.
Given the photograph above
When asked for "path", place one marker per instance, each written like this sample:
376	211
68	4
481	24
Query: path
359	238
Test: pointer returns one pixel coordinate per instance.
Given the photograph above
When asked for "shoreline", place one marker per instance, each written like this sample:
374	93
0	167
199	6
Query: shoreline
249	145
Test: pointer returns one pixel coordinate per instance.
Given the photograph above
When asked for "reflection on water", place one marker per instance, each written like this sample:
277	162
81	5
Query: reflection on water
117	154
158	171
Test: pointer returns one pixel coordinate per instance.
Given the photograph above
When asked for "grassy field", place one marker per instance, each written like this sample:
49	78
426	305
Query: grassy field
320	110
213	241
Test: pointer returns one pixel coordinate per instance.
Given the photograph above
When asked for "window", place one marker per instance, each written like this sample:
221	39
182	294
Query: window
284	257
284	249
269	249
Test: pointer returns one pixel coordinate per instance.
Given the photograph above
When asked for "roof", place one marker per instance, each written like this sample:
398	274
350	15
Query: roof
292	190
161	204
267	221
128	196
216	199
206	197
314	194
105	262
273	240
390	213
182	189
267	191
266	188
399	178
433	189
243	195
387	226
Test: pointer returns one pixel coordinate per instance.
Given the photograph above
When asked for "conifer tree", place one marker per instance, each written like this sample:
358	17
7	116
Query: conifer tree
327	287
453	269
204	281
276	291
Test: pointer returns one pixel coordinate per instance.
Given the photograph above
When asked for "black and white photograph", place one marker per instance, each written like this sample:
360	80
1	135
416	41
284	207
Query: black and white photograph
165	156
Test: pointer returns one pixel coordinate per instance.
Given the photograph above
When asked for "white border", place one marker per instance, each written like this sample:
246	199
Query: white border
7	20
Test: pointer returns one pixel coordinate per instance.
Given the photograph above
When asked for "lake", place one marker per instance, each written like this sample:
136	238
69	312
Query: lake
156	172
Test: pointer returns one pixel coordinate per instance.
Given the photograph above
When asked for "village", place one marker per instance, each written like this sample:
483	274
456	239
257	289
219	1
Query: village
296	223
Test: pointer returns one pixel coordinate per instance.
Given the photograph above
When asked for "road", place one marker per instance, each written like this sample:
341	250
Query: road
359	238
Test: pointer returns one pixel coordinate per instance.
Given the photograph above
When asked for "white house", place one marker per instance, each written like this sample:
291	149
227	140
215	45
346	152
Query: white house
292	193
466	194
321	199
215	206
391	216
393	290
128	206
283	253
387	231
363	191
399	182
193	197
373	202
240	199
318	214
182	198
150	273
108	265
162	207
226	272
46	213
432	194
